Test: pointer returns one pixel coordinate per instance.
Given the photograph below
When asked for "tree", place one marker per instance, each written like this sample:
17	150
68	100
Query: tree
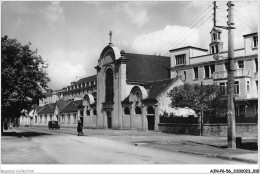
23	77
198	97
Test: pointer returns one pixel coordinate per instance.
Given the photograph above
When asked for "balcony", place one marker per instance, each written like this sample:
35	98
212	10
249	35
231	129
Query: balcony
237	73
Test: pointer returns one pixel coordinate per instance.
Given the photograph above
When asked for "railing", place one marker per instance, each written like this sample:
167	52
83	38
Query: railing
237	73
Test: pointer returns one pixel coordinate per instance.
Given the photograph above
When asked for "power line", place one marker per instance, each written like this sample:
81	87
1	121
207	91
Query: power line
186	28
195	30
185	32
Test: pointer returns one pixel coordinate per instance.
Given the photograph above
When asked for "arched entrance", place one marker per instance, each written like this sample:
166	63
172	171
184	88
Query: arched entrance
150	117
109	120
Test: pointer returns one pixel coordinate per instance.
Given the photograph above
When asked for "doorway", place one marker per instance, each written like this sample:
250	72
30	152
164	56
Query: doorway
109	120
151	121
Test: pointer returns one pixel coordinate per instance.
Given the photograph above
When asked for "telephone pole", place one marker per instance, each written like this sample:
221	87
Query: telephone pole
231	121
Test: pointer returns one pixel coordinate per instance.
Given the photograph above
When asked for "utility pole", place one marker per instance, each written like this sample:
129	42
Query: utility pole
214	8
231	122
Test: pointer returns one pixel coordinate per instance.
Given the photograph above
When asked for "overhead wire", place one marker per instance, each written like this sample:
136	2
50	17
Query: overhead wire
184	33
202	24
185	29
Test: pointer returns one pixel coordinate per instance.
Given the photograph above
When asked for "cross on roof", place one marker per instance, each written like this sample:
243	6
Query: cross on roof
110	37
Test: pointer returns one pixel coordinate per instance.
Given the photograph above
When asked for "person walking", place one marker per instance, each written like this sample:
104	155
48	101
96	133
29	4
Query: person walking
79	129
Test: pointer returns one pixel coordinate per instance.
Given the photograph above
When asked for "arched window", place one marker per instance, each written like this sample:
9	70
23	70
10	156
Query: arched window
216	49
138	110
88	112
212	50
214	36
150	110
94	112
109	86
127	111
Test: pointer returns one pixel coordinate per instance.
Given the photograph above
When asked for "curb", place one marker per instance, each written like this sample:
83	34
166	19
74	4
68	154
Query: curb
251	161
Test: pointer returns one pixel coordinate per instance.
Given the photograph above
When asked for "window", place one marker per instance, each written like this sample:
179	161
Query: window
138	110
180	59
256	83
68	118
35	119
94	112
109	86
212	50
40	118
255	41
50	117
236	87
240	64
127	111
248	86
214	36
195	72
256	65
74	118
216	49
88	112
45	119
223	87
206	68
212	69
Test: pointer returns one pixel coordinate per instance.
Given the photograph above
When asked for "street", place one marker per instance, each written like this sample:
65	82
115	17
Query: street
50	147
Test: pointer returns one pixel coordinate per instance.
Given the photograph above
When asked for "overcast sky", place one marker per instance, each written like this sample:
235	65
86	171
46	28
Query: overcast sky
71	35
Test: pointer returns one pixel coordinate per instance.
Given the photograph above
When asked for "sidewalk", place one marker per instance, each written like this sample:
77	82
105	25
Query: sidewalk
215	147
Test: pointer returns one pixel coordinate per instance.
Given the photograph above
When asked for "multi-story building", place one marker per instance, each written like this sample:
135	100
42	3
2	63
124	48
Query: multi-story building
197	65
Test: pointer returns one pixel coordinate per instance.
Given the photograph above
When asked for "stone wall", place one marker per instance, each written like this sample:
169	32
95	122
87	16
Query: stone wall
242	129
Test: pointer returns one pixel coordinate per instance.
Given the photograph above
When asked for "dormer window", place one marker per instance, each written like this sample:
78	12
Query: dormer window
180	59
255	41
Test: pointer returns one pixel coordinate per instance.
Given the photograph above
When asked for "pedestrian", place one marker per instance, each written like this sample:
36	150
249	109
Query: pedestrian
79	129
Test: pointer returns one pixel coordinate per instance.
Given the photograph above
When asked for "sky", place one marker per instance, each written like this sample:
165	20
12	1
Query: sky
70	36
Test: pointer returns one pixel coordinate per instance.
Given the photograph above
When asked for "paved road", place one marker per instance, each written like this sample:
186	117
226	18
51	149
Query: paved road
48	147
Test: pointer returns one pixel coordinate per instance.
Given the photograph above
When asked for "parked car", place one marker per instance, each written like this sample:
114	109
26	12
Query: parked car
53	125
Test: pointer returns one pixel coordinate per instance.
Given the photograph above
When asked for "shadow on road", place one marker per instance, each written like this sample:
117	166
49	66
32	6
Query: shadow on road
23	134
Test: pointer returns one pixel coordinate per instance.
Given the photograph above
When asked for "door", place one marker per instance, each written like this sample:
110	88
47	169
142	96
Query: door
151	121
109	120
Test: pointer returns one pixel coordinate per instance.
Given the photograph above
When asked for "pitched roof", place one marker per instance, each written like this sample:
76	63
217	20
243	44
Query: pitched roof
72	106
38	108
87	79
62	104
48	108
197	48
157	87
144	68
